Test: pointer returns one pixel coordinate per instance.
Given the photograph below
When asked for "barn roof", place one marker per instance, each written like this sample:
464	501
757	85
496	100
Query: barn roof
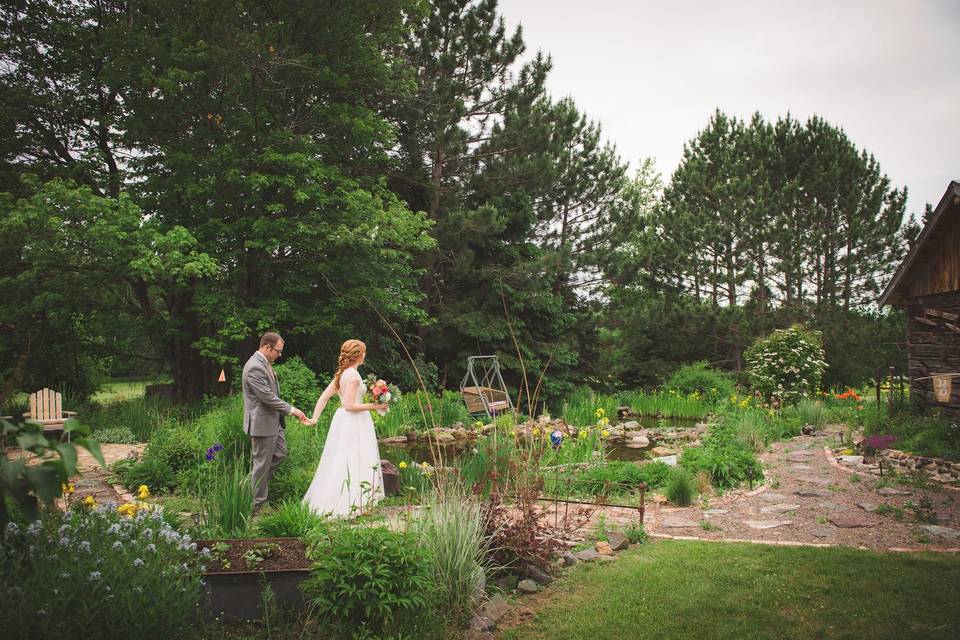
951	199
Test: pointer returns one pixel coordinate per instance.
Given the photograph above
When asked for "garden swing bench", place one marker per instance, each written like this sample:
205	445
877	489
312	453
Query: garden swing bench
482	387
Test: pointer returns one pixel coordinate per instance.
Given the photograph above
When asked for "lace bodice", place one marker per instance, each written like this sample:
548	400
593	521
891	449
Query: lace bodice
350	373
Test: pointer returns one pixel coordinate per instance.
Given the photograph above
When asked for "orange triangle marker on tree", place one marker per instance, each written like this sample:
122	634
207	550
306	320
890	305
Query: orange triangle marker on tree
223	376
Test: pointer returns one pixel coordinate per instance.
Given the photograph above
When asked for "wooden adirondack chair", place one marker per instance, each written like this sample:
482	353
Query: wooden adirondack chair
46	408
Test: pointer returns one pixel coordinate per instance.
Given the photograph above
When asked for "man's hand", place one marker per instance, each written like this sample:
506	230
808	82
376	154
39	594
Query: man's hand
299	415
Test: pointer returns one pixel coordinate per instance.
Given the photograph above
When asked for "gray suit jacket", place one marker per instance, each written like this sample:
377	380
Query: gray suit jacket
263	410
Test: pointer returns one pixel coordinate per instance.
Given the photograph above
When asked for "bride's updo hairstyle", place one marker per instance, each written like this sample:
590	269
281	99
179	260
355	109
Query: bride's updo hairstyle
350	353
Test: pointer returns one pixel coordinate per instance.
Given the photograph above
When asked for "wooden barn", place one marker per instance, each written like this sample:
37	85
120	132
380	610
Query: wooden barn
927	285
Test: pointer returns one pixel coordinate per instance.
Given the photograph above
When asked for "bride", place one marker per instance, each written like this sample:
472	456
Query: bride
348	479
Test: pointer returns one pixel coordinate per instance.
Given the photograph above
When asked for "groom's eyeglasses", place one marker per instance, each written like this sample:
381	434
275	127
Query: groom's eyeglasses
279	351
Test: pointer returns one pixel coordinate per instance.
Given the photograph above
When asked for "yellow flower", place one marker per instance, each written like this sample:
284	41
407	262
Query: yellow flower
604	433
582	434
536	431
128	509
602	422
478	425
66	489
89	501
600	413
143	492
402	465
513	432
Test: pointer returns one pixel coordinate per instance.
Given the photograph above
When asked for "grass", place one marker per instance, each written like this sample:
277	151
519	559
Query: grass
119	391
680	589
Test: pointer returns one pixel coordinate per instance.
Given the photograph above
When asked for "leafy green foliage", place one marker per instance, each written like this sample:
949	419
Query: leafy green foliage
80	574
228	508
292	519
368	580
681	487
787	365
298	384
153	472
115	435
727	459
452	532
29	485
702	379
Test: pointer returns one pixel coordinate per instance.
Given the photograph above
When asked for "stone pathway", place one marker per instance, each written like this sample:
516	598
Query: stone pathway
810	498
92	479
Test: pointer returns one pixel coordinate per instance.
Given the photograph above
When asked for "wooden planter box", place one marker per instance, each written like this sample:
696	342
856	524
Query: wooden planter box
237	595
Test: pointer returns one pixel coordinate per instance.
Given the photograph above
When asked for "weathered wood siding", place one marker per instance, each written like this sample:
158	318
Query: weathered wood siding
937	268
934	347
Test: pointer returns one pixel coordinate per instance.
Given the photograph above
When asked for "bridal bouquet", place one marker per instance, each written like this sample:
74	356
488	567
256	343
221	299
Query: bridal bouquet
381	392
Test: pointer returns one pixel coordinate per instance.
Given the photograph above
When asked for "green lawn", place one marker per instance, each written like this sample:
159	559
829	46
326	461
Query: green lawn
676	589
120	391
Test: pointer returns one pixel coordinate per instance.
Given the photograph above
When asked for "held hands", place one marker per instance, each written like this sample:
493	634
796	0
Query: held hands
299	415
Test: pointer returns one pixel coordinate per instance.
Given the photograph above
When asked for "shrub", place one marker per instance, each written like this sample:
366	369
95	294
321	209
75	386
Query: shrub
728	461
750	429
298	384
452	532
89	574
115	435
811	412
681	487
142	416
154	473
700	378
177	448
292	519
786	365
369	581
636	533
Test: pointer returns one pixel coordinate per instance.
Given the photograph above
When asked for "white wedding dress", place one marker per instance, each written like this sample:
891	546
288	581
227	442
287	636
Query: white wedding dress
348	479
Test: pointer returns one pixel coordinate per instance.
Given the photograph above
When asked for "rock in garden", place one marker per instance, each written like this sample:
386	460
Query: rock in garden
661	451
670	461
528	586
678	523
780	508
603	548
848	522
640	441
587	555
481	623
394	440
811	493
623	412
830	506
942	532
715	512
822	532
618	541
807	429
568	559
495	608
854	460
631	425
766	524
391	478
890	491
869	507
773	497
539	575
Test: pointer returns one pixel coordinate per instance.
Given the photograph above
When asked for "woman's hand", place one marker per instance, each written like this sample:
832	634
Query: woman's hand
310	422
381	408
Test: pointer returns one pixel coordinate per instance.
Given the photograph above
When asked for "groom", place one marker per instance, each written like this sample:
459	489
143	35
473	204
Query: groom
263	413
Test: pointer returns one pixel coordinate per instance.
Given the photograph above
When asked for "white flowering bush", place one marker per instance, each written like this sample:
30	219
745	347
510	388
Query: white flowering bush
98	573
787	365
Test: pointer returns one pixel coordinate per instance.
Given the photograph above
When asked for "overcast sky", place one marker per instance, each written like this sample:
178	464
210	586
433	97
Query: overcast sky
652	72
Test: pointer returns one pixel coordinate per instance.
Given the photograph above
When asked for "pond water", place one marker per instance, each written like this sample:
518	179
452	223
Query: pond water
420	451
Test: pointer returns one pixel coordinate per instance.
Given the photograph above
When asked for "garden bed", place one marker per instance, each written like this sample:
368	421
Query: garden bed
239	571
